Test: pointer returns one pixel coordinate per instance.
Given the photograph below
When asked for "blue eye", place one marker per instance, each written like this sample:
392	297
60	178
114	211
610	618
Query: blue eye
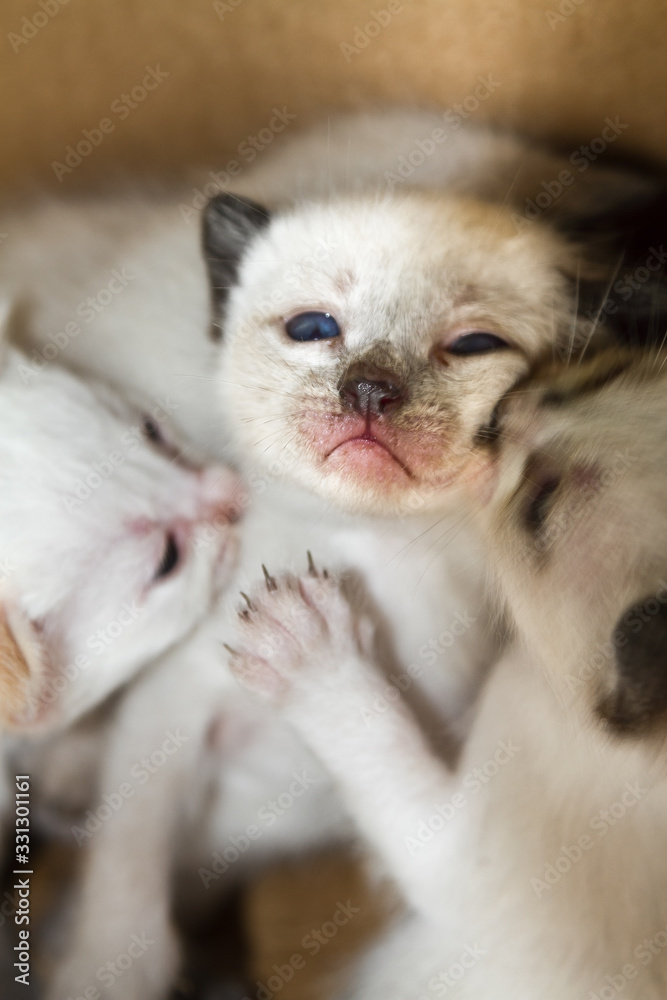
477	343
312	326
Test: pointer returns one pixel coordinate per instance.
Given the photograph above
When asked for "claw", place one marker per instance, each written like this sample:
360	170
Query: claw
312	569
325	574
251	606
270	582
244	614
229	649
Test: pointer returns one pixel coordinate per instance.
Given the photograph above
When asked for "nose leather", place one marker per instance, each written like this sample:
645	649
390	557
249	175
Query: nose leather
370	396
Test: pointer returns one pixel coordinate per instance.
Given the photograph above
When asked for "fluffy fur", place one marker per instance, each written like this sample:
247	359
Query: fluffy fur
406	271
534	868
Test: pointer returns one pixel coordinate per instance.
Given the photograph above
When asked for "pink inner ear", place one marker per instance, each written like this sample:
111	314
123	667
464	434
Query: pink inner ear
22	665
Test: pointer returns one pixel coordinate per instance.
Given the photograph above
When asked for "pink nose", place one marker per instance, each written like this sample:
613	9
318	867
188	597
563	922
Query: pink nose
222	494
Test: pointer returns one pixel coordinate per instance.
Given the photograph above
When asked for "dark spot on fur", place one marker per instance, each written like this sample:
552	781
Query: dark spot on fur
639	697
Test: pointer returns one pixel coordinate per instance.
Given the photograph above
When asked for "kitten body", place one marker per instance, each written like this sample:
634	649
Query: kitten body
534	868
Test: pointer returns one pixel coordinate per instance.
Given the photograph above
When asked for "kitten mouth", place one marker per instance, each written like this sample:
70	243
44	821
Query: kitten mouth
369	441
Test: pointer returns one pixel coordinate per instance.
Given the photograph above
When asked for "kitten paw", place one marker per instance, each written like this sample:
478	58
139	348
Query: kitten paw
294	632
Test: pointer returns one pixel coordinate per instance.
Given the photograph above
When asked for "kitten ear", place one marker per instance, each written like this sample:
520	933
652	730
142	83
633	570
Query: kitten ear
22	662
639	695
230	225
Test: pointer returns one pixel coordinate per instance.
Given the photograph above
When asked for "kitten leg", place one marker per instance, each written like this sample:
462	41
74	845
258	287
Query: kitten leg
125	909
302	649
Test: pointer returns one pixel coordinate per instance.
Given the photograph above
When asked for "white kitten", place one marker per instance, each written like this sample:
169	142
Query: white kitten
102	562
111	549
535	867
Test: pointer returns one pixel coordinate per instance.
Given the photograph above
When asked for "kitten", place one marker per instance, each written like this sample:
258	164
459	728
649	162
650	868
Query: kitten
102	562
112	548
535	867
367	335
99	528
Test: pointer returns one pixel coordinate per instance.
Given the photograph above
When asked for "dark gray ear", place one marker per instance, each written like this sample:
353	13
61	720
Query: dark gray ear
639	697
230	224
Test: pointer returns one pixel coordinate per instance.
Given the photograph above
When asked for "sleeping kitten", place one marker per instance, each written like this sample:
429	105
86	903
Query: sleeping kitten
99	521
535	867
367	335
112	548
101	567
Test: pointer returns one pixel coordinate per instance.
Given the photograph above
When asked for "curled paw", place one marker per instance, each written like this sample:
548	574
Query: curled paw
292	630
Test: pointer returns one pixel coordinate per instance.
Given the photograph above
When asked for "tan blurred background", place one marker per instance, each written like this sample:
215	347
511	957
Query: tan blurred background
560	68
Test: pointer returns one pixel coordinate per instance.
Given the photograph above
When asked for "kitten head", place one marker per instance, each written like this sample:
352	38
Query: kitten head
579	523
111	546
368	339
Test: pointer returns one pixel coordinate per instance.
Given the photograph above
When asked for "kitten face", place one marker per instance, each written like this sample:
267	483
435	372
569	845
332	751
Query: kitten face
367	342
111	548
580	526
